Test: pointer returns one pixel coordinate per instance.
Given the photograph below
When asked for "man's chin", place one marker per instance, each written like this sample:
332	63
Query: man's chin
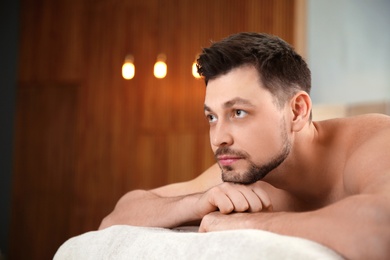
247	176
229	175
236	177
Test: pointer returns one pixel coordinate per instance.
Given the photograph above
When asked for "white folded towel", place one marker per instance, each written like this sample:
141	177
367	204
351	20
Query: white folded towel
128	242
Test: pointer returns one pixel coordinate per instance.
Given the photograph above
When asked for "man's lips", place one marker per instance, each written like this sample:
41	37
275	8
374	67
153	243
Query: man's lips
226	160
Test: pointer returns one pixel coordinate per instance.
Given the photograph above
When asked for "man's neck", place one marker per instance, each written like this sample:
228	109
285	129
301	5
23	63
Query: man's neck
307	173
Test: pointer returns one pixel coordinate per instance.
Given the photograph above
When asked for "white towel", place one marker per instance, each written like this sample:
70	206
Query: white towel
128	242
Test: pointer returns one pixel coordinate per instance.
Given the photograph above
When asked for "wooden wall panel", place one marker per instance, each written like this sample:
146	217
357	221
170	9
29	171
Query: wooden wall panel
84	135
45	159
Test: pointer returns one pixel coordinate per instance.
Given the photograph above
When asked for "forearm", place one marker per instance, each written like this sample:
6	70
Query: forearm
144	208
356	227
147	208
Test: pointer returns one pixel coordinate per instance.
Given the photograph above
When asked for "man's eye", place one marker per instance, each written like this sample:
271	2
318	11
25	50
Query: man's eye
211	118
240	113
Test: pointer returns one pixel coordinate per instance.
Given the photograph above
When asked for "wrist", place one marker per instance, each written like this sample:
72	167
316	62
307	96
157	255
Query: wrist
188	209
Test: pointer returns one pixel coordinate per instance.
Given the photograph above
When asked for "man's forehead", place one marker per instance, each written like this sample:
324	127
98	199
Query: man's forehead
241	85
227	96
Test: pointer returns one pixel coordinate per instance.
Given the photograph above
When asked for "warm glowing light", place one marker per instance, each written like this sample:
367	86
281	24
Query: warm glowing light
160	67
128	68
195	71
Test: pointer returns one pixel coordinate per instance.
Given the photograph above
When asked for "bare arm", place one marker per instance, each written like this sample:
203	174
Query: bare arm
177	204
158	207
357	227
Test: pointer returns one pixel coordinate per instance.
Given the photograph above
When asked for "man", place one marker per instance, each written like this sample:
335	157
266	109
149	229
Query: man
326	181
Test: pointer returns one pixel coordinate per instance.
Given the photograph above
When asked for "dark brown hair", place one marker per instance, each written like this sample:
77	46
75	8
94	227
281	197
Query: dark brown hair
282	71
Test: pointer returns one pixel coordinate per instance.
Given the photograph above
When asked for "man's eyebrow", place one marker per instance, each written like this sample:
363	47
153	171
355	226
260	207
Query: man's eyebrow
237	100
230	103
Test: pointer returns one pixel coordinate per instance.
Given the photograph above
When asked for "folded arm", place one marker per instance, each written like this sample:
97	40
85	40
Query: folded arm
357	227
160	207
144	208
182	203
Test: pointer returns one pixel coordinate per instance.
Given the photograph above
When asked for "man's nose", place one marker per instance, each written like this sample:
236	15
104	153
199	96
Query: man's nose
221	136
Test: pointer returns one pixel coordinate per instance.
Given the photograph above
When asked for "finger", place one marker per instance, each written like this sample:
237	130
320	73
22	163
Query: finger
201	229
243	197
202	226
264	198
228	198
238	198
254	201
219	199
206	222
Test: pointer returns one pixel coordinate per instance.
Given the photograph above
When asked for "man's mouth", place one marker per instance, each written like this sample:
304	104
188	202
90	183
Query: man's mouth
227	160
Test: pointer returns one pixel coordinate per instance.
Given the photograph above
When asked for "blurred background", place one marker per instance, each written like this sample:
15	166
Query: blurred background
76	135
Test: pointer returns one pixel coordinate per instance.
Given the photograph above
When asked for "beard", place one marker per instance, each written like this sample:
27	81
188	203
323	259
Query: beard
254	172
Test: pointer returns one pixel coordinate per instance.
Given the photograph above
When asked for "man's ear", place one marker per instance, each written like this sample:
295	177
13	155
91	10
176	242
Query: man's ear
301	110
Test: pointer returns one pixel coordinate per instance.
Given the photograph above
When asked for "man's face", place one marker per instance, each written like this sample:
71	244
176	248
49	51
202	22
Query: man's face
248	132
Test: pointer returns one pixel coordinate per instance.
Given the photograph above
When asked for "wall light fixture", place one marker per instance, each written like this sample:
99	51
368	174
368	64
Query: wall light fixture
128	68
160	67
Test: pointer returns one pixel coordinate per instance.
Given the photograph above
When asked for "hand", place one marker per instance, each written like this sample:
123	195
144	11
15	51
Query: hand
216	221
230	197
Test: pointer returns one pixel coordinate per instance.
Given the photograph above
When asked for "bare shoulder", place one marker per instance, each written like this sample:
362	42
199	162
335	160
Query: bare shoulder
209	178
371	123
367	133
367	165
360	124
352	132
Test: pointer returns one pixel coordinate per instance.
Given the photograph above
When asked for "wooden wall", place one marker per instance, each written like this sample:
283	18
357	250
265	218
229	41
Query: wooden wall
84	135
